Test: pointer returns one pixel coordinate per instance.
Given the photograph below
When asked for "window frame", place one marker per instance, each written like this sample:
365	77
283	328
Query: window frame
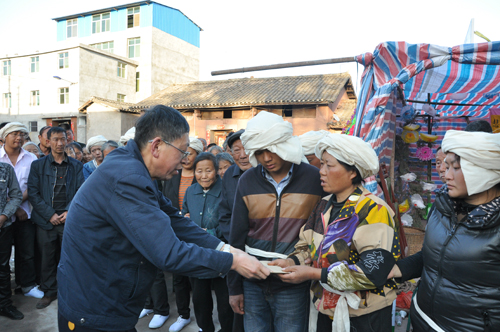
100	46
65	60
137	81
7	100
121	97
30	126
64	92
121	70
133	17
36	68
101	24
72	28
6	68
136	46
35	98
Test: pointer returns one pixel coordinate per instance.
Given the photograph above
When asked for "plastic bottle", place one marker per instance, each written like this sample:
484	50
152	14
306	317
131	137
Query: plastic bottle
398	318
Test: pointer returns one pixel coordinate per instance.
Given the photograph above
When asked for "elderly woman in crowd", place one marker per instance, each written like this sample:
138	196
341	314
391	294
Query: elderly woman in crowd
94	145
33	148
224	160
350	239
215	150
201	204
439	164
86	155
459	263
78	150
309	141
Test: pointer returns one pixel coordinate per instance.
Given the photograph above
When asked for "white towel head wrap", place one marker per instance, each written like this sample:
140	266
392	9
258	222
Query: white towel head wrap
479	157
130	134
310	139
268	131
12	127
98	140
351	150
196	144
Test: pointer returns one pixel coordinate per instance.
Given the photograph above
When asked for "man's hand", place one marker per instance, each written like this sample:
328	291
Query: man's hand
54	220
21	215
187	215
300	273
3	219
248	266
62	217
282	263
237	303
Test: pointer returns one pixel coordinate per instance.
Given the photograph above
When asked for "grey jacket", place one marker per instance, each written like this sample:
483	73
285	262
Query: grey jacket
9	187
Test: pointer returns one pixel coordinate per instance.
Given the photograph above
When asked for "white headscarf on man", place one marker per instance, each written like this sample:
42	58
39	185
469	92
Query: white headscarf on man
196	144
268	131
351	150
479	157
310	139
12	127
98	140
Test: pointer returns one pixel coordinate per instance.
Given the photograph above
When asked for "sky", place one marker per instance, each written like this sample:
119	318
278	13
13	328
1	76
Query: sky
249	33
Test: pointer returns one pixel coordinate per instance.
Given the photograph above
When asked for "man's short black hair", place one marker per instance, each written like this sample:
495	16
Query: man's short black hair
66	126
44	129
160	121
55	130
206	156
234	137
479	125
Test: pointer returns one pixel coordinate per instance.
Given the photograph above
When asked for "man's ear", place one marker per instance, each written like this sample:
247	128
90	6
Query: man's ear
154	147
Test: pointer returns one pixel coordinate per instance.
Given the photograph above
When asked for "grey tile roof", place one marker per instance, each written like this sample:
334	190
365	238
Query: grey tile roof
288	90
120	106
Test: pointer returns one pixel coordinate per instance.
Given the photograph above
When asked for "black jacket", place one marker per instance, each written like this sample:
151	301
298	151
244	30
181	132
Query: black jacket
41	182
228	192
459	289
171	189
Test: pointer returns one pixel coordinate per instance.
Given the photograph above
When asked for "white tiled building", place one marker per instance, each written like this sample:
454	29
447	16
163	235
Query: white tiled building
125	53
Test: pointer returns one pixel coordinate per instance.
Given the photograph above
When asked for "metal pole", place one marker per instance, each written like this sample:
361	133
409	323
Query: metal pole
284	65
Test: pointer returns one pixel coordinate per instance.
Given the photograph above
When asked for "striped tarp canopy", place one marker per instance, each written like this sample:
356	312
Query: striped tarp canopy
466	75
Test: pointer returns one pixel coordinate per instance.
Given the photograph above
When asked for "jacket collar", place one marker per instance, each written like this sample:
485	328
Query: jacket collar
214	191
51	158
236	170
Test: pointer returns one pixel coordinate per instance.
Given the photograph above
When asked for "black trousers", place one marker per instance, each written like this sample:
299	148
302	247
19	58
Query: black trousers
238	325
158	297
203	304
380	321
182	289
24	234
49	243
67	326
5	251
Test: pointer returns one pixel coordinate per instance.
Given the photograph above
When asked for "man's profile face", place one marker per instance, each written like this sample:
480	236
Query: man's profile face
44	141
169	159
239	155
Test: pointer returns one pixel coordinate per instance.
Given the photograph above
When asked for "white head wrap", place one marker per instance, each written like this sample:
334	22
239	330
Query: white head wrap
98	140
479	157
195	144
130	134
310	139
12	127
351	150
268	131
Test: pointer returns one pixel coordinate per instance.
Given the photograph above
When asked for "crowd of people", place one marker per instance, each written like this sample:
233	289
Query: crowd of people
280	227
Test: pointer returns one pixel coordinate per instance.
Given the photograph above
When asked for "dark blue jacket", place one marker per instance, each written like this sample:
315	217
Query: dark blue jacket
228	191
204	207
41	182
119	229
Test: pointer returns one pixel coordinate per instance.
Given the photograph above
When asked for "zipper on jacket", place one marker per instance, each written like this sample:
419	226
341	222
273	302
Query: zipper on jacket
487	321
276	221
451	234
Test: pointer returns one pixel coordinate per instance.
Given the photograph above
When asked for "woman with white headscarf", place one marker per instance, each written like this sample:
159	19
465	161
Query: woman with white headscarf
94	145
459	264
351	241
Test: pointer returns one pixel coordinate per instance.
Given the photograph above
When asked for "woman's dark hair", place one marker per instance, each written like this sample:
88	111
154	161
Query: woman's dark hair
76	145
357	180
55	130
206	156
160	121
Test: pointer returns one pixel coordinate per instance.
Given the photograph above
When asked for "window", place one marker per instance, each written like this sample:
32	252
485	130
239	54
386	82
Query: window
137	81
120	97
63	95
100	23
106	46
7	102
287	111
134	47
35	98
133	17
6	68
34	64
63	60
121	69
33	126
72	28
228	114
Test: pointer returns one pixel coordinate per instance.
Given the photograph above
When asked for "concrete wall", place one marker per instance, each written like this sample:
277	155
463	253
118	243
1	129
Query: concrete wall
173	61
98	77
108	121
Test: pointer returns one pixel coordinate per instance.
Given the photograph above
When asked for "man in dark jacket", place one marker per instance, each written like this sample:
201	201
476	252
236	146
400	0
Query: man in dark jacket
52	183
121	228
